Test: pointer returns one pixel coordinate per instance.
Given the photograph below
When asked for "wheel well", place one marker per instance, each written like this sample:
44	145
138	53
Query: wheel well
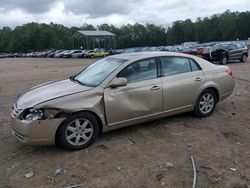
96	116
216	93
245	54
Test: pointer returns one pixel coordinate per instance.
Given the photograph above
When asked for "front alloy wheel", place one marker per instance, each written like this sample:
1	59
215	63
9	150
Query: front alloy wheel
78	131
205	103
224	60
244	58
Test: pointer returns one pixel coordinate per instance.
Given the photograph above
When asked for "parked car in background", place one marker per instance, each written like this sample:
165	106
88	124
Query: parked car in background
3	55
60	53
96	53
223	52
51	54
73	53
118	91
78	54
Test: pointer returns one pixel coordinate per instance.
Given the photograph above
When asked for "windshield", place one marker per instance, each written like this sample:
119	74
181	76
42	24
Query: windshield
97	72
221	46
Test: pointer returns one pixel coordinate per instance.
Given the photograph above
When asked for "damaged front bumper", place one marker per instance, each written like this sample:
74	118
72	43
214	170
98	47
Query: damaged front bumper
40	132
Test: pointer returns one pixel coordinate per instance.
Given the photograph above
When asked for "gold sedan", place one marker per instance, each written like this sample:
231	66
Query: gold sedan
118	91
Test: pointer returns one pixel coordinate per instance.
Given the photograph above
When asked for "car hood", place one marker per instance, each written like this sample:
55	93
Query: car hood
49	91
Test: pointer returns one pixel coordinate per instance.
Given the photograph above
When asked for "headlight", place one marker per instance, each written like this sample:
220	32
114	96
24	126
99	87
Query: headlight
33	114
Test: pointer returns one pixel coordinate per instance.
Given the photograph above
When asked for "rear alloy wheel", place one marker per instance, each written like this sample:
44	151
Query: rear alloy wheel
244	58
78	131
223	60
205	103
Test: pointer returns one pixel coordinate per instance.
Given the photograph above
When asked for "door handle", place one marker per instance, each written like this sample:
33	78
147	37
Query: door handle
198	79
155	88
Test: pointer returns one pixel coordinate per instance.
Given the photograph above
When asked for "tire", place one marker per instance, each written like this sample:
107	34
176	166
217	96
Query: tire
244	58
223	60
205	103
78	131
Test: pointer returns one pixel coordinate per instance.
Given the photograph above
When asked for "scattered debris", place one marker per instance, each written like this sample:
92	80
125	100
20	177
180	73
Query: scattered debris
74	186
216	180
235	162
130	141
58	171
194	172
233	169
120	169
206	167
29	175
166	166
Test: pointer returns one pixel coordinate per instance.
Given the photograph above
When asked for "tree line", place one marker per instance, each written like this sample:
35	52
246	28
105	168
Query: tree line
219	27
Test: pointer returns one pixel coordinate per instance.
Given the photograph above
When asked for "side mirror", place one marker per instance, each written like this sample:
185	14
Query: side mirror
118	82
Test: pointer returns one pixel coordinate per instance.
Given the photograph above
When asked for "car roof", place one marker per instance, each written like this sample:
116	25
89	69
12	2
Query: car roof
143	55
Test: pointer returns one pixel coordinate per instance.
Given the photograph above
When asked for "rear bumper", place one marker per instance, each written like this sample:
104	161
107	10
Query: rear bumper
35	132
225	96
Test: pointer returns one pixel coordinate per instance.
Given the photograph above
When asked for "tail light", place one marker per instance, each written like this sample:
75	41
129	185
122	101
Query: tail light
204	51
230	72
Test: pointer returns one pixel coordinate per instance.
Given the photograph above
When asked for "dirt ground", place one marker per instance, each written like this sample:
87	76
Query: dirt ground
153	154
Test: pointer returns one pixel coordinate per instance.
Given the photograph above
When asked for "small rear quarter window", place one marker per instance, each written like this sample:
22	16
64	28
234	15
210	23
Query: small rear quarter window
194	65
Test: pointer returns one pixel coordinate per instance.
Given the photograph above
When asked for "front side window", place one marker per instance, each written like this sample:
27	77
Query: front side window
97	72
175	65
140	70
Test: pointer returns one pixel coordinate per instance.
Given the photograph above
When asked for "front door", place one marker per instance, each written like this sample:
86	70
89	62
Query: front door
142	97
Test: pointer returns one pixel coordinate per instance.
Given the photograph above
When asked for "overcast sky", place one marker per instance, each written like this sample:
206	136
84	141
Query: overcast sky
117	12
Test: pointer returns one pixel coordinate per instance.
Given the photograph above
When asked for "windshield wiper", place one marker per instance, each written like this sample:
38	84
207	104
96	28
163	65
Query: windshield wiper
72	78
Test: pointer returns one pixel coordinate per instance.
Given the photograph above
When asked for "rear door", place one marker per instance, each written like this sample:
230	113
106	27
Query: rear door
140	98
182	80
235	51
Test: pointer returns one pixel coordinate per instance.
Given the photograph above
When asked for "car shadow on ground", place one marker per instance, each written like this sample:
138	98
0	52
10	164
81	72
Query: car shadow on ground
149	126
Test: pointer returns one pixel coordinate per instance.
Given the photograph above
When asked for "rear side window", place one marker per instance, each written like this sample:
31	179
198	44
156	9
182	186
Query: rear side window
178	65
175	65
194	65
140	70
239	45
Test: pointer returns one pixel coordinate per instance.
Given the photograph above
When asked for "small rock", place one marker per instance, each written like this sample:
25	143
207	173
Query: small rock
233	114
159	177
119	168
166	165
130	141
60	172
29	175
235	162
215	180
233	169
